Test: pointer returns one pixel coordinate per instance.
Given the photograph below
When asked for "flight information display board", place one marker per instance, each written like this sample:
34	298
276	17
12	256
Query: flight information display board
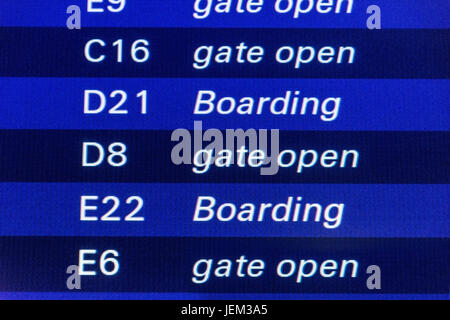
224	149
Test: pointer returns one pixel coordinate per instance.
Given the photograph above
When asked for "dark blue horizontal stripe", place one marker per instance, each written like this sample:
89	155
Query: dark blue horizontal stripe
384	157
166	264
59	52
